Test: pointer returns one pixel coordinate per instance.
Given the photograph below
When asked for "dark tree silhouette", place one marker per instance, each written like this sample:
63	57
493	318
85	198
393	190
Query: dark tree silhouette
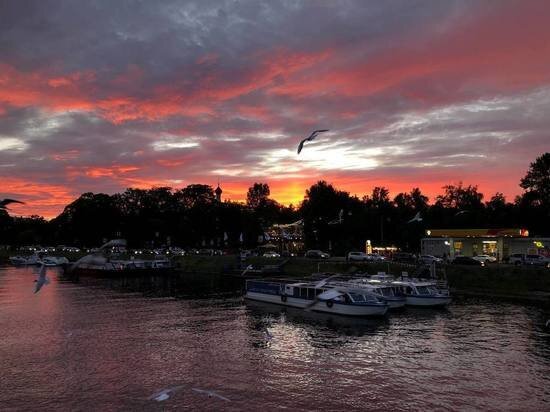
537	179
257	195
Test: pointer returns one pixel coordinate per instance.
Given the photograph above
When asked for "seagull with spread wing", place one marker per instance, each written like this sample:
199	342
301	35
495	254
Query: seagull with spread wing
4	203
42	279
312	136
164	394
416	218
211	394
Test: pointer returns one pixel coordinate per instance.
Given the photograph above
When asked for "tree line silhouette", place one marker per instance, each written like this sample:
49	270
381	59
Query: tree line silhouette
193	217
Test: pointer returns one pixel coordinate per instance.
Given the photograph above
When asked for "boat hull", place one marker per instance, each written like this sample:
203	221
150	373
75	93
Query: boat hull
115	273
415	300
396	303
320	306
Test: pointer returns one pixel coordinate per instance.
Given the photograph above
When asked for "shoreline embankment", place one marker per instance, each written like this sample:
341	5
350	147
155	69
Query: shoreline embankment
522	283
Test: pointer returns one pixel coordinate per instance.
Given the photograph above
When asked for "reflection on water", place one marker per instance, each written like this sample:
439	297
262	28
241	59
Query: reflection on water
110	344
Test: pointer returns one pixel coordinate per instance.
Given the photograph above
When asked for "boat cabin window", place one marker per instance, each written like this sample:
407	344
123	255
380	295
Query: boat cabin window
311	293
303	293
386	291
424	290
356	297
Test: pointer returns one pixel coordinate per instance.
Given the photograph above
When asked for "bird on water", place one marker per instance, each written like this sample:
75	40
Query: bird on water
312	136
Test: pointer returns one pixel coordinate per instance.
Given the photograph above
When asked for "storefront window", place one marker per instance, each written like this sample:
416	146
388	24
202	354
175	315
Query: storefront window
458	248
490	247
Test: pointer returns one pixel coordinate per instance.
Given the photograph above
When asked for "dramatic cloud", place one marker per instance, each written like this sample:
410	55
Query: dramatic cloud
100	96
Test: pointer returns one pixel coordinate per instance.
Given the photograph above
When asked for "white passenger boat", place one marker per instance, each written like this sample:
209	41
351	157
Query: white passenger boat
25	260
320	297
393	295
54	260
423	293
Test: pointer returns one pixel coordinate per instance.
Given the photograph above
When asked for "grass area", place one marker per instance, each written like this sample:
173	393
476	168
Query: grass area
505	279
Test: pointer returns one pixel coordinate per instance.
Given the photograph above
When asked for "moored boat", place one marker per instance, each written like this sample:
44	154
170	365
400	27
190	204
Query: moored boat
54	260
393	295
423	292
320	297
25	260
103	263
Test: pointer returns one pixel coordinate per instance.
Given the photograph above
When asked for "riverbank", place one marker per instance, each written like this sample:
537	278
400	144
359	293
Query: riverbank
500	281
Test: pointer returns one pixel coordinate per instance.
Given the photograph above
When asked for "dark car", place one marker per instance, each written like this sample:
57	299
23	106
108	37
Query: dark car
404	257
316	254
466	260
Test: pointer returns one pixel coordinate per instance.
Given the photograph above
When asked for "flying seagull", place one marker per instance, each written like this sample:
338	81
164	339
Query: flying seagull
42	279
461	212
164	394
416	218
326	295
211	394
310	138
5	202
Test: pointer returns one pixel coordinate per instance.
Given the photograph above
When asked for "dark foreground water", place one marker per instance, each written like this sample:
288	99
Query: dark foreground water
98	345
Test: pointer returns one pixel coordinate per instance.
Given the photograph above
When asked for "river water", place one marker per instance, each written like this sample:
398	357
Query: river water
109	345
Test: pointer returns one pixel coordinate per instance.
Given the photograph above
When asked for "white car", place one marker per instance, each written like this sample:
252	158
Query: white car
485	258
271	255
375	257
429	259
358	256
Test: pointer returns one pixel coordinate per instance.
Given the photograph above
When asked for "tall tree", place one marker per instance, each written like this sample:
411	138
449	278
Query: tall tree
257	195
460	197
196	195
537	179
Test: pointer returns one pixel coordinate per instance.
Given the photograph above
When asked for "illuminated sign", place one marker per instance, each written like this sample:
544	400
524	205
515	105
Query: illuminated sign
477	232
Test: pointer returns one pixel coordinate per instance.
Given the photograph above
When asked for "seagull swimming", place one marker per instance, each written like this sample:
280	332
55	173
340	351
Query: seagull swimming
164	394
42	279
310	138
211	394
416	218
5	202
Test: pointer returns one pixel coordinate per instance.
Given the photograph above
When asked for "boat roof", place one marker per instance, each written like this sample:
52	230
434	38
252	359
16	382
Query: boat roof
414	282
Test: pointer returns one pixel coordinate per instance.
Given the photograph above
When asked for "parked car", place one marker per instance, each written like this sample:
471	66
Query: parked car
375	257
316	254
358	256
270	254
404	257
485	258
467	260
516	259
429	259
536	260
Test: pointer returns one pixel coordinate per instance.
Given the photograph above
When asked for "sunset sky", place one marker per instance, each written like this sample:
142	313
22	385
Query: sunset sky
98	96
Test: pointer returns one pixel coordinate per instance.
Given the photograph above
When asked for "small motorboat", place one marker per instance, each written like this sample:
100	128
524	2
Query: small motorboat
393	295
104	263
423	292
319	297
54	260
25	260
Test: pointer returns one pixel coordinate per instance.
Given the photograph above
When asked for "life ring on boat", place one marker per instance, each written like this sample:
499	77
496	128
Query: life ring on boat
283	298
330	303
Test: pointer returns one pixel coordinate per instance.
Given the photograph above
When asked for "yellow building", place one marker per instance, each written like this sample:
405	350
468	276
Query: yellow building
500	243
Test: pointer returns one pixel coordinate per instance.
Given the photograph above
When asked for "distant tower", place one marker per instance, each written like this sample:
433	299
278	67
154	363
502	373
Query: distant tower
218	193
